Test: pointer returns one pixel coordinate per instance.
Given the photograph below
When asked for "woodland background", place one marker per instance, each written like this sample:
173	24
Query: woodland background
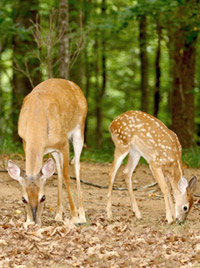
123	54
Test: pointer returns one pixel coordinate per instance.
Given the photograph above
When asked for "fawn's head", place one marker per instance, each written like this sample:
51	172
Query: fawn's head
32	188
184	200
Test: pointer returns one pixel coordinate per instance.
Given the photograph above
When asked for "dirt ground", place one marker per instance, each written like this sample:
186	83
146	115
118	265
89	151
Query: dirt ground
122	242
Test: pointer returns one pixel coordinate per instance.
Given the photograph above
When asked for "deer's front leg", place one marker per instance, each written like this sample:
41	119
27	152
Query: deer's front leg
158	174
59	165
112	173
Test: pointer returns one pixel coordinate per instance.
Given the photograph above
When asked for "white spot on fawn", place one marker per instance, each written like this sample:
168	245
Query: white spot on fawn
148	135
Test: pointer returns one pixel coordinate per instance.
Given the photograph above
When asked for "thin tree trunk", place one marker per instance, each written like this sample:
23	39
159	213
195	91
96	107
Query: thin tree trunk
86	17
171	68
99	111
64	42
98	117
144	64
101	96
1	106
87	90
77	18
158	70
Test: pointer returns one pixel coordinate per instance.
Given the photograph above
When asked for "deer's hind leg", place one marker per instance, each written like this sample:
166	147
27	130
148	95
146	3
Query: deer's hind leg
73	209
78	140
133	160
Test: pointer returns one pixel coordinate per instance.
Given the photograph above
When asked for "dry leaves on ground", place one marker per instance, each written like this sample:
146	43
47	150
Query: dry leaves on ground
100	244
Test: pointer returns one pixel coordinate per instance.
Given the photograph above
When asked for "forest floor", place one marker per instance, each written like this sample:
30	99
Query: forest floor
122	242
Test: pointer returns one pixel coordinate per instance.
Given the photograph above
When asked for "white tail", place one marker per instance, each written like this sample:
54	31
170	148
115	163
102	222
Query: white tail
139	134
51	114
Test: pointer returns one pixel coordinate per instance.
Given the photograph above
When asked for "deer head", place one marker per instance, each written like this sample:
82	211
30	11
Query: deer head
32	188
184	200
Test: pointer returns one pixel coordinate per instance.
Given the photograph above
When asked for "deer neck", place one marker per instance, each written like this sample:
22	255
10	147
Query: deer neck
177	173
34	159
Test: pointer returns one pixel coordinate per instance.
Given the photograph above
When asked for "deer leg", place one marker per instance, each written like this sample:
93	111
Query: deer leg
170	196
78	145
59	165
65	153
118	158
158	174
29	217
133	160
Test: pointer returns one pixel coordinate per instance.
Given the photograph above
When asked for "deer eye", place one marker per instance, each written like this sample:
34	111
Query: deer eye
185	208
24	200
42	199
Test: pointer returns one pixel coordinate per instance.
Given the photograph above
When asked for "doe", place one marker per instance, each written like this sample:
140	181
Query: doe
51	114
139	134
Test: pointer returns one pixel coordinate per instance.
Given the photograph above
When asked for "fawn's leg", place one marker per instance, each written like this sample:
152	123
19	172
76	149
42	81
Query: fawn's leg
133	160
118	158
158	174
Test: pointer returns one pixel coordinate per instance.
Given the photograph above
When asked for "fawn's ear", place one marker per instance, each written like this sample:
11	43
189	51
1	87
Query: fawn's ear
48	168
13	170
192	183
182	185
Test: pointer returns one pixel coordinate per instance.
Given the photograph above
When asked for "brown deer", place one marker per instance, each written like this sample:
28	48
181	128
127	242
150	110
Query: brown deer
139	134
53	113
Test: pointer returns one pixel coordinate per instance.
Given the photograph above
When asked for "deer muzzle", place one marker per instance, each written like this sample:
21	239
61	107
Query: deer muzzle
34	212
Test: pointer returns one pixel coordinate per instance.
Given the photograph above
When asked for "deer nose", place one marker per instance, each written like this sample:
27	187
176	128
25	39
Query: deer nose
34	210
179	221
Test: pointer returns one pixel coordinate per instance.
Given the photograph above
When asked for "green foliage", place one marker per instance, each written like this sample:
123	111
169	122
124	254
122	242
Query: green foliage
7	146
97	155
118	27
191	157
7	27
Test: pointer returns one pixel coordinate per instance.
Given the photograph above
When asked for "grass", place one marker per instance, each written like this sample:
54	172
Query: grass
191	157
97	155
104	154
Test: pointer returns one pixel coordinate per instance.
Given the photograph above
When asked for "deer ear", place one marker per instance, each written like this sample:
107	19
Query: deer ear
192	183
48	168
182	185
13	170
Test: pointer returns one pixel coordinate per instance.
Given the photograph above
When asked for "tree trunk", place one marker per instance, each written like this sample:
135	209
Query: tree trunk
86	17
144	64
1	105
171	73
97	86
21	47
184	38
183	98
157	67
99	111
64	42
76	18
87	90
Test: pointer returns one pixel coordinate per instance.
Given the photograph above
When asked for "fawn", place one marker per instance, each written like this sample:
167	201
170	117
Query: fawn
139	134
